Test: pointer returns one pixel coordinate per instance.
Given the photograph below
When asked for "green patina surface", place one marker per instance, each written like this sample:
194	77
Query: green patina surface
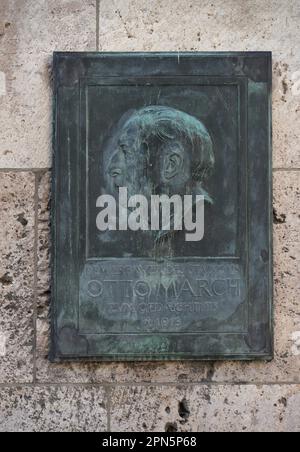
156	124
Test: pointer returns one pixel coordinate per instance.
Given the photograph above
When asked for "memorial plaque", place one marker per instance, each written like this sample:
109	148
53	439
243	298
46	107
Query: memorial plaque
161	212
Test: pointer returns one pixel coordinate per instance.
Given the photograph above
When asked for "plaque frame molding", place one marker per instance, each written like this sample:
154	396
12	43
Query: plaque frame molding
71	70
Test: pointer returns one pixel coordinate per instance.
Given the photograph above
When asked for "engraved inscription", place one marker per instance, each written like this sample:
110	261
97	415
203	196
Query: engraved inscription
170	297
198	288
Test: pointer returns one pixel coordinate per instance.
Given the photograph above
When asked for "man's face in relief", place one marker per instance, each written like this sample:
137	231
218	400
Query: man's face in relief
128	164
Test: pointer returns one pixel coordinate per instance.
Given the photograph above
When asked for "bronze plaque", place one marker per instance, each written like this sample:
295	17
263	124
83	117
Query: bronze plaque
162	242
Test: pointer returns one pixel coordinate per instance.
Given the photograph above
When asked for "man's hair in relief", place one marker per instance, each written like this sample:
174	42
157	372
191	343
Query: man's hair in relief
168	124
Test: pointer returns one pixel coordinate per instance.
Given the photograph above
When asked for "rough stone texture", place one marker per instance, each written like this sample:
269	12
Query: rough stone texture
205	25
53	409
30	30
284	368
16	276
217	408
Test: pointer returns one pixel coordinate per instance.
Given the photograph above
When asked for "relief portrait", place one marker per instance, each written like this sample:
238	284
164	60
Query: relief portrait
159	150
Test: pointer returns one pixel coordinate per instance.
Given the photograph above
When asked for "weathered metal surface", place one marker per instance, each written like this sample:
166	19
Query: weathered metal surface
173	124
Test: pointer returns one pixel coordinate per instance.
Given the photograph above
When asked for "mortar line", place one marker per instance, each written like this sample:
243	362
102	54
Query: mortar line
24	170
110	386
35	270
202	383
43	170
97	25
286	169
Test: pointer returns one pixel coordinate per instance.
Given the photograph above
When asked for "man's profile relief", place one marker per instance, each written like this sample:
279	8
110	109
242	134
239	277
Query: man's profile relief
159	151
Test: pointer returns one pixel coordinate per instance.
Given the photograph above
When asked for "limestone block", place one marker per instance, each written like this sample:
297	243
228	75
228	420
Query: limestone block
214	408
30	31
16	276
53	409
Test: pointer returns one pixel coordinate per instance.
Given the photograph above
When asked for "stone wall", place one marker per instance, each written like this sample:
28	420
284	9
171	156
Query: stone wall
37	395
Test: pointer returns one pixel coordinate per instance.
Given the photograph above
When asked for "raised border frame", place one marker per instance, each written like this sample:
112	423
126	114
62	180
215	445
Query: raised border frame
69	69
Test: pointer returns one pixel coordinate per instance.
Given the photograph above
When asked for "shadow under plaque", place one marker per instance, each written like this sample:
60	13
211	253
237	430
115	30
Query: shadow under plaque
185	126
